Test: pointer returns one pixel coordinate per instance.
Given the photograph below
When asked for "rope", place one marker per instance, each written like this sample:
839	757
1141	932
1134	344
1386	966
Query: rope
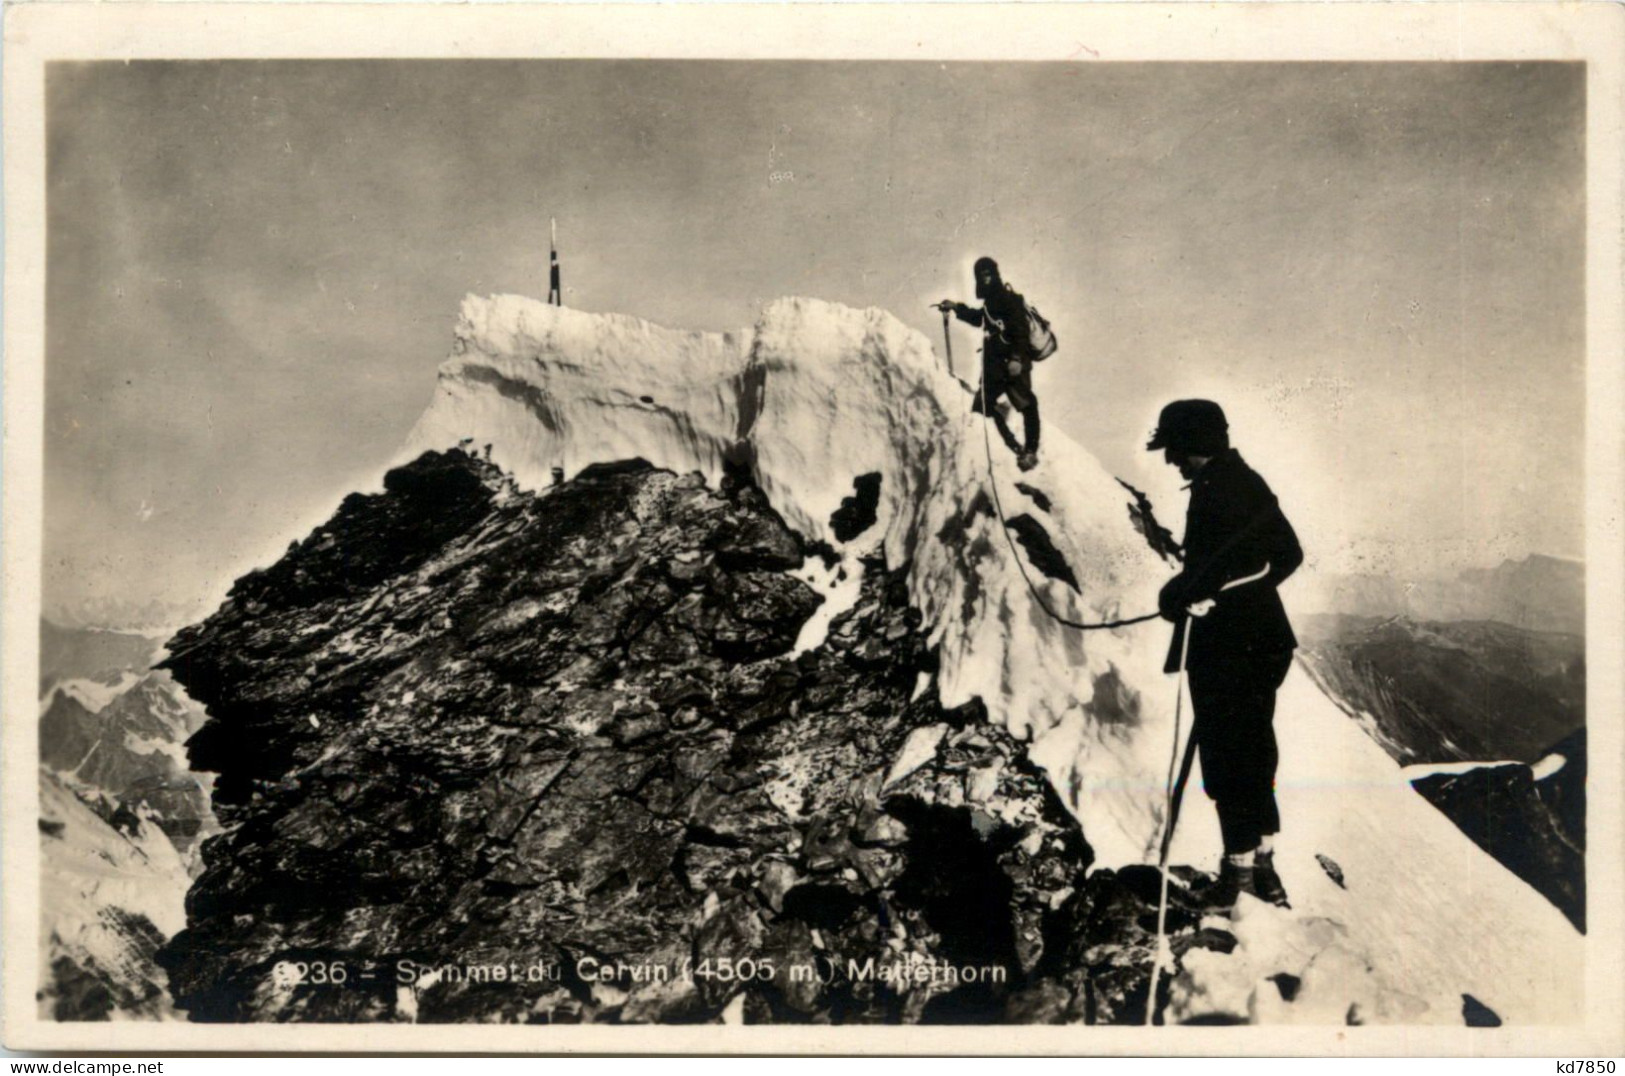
1021	562
1174	789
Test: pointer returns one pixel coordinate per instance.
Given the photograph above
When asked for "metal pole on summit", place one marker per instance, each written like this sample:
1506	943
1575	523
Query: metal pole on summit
555	296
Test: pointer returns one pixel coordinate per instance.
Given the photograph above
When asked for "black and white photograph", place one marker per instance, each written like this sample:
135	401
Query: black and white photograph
911	520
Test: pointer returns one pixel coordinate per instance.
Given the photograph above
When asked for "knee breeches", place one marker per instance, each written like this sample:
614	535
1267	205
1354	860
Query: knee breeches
1235	737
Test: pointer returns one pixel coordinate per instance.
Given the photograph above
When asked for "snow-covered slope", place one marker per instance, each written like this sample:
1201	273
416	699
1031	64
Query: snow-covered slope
121	818
816	396
1423	915
813	397
108	899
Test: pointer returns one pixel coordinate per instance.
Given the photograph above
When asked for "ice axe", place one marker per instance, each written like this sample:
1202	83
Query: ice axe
947	341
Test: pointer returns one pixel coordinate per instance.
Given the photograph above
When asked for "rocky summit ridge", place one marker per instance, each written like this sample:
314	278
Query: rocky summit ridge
461	727
752	711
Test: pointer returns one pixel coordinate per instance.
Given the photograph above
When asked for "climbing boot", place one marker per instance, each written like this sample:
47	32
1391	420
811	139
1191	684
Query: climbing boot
1027	461
1266	883
1233	880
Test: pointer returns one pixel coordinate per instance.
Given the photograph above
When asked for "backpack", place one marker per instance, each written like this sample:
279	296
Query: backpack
1039	332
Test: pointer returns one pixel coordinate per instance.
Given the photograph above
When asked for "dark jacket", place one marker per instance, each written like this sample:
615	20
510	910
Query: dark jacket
1233	527
1006	335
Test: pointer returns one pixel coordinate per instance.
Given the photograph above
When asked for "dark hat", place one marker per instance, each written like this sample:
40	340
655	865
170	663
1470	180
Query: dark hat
984	263
1195	426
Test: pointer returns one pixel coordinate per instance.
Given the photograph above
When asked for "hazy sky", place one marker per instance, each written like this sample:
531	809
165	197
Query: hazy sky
254	269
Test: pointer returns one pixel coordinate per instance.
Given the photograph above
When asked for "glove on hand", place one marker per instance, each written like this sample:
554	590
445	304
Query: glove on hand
1177	600
1171	600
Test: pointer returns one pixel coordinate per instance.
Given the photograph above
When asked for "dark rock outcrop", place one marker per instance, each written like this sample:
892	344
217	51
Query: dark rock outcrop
1041	551
1534	828
88	991
1475	1013
857	512
462	727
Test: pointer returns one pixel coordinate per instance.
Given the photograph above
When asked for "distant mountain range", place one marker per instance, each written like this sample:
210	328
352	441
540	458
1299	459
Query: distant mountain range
131	748
124	615
1488	668
1468	691
1540	593
92	654
122	817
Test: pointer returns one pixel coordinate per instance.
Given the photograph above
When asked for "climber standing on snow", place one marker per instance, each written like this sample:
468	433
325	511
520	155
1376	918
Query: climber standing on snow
1238	548
1008	353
